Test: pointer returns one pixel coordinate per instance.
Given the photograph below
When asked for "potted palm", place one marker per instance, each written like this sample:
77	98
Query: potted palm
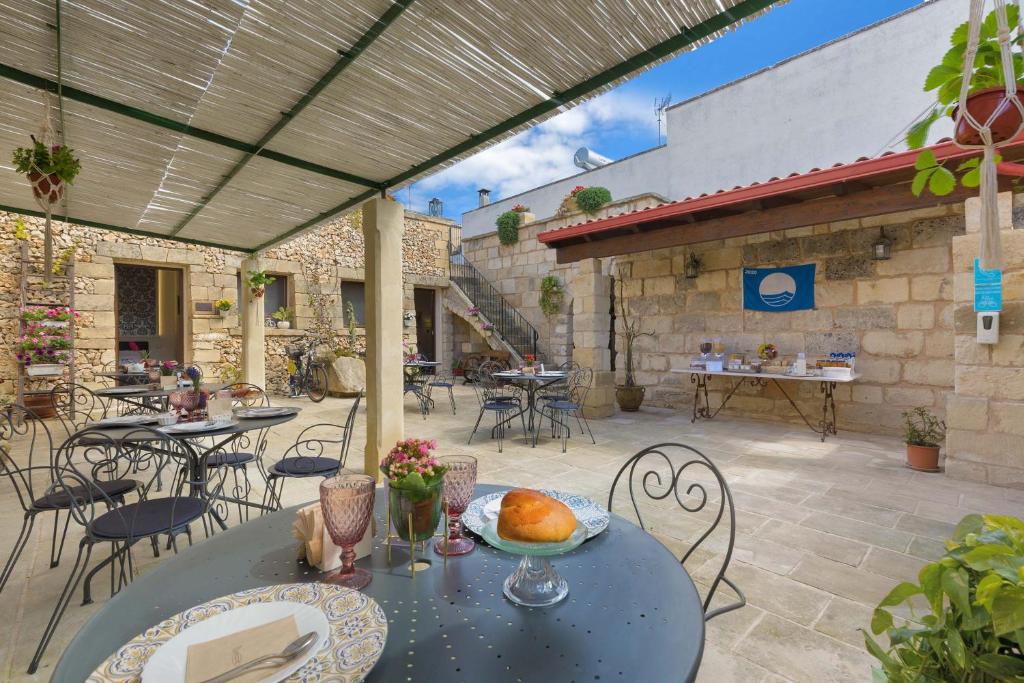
629	395
924	433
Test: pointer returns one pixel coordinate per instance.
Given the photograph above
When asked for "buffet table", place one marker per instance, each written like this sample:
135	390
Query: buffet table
702	407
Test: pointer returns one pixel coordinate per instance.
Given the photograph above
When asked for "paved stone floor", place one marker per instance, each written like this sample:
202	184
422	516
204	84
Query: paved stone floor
823	531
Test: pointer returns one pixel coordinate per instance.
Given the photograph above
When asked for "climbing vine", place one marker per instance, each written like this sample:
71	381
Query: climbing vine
508	227
551	295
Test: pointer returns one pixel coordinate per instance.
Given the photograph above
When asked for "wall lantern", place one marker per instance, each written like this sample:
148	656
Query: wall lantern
881	249
692	268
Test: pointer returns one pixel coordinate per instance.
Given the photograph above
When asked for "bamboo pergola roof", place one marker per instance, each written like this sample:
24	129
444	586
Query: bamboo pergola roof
242	123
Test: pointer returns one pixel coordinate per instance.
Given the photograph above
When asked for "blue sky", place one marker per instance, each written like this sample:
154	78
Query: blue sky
622	121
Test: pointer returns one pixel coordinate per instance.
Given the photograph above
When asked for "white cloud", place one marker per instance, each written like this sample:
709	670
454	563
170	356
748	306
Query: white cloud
544	153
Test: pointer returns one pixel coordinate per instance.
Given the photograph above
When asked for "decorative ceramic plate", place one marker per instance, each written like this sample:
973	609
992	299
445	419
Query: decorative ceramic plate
575	540
589	513
128	420
123	390
266	411
357	623
167	664
193	427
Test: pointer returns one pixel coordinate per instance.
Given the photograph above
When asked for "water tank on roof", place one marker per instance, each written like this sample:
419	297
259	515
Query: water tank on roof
588	159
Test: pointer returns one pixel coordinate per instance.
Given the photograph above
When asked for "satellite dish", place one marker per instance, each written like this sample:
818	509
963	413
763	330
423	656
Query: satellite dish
588	159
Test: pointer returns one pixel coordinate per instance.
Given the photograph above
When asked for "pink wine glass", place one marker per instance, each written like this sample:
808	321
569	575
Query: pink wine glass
459	482
347	503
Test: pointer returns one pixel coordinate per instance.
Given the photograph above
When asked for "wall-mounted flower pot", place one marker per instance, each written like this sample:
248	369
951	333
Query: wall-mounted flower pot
923	458
983	104
55	323
630	398
223	313
45	369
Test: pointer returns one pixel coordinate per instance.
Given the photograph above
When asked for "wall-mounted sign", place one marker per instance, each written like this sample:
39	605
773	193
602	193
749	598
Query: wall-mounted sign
988	289
779	289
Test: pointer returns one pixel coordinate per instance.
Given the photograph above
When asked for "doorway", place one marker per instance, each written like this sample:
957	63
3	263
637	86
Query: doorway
149	313
426	325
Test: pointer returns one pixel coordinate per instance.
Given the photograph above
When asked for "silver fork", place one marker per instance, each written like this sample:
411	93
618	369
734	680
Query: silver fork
291	651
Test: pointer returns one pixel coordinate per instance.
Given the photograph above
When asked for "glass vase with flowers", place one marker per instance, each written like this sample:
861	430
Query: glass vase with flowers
415	488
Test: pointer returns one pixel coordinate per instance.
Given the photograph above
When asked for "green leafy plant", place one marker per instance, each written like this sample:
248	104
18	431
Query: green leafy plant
230	374
921	428
551	295
282	314
58	160
945	79
20	229
350	317
590	199
223	305
973	631
258	281
508	227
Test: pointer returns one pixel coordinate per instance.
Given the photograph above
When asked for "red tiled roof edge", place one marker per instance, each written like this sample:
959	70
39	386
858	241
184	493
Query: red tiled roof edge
861	168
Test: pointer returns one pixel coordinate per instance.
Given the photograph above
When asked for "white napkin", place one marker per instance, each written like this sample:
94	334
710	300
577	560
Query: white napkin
492	509
316	546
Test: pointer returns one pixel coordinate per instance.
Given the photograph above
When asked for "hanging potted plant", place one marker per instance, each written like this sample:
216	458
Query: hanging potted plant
986	100
258	281
629	395
924	434
415	488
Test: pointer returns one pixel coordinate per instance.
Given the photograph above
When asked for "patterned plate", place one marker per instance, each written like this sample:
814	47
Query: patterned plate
592	515
358	632
265	411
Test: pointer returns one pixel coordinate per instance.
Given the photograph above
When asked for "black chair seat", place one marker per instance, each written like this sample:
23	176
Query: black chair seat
500	405
61	500
299	466
150	517
442	384
233	459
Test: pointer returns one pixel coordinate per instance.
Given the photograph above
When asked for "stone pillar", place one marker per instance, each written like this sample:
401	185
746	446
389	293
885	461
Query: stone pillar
254	366
383	223
985	412
591	326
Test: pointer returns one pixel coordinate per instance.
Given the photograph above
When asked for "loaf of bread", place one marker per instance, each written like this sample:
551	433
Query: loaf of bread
531	517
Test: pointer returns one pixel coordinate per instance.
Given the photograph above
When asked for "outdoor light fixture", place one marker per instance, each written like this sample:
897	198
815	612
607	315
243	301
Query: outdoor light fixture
436	207
692	268
881	249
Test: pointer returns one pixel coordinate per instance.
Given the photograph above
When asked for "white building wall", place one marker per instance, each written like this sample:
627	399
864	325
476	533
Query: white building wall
850	98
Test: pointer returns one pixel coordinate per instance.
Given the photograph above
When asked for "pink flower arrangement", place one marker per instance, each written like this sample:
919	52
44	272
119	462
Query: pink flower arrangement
410	464
486	326
43	313
576	189
473	310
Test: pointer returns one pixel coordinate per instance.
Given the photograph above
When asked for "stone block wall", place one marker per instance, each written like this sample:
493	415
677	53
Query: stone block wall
985	415
211	341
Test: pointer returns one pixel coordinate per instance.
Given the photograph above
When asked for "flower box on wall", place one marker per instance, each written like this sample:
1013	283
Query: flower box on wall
45	369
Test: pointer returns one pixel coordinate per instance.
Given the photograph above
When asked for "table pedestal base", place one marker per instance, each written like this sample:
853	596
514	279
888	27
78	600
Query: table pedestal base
535	583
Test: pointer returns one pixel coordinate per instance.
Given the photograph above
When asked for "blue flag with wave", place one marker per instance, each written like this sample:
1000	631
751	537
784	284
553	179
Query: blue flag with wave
779	289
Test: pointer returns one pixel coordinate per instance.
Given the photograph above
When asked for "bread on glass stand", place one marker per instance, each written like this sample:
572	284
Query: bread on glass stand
529	516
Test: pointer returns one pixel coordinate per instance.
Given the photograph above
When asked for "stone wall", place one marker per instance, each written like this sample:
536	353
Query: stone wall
985	415
331	252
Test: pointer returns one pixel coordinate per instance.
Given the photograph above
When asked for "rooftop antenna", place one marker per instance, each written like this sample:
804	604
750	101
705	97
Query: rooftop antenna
660	105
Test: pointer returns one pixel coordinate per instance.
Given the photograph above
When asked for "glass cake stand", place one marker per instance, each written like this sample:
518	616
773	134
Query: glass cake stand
534	583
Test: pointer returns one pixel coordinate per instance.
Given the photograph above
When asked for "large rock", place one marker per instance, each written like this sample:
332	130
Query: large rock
346	376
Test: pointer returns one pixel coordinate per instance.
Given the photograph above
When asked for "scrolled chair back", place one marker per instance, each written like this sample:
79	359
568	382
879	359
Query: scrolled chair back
26	454
579	381
144	454
77	406
325	440
489	385
673	469
244	395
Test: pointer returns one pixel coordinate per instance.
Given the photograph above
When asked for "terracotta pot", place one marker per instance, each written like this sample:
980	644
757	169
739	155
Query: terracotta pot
49	189
981	106
923	458
41	405
630	398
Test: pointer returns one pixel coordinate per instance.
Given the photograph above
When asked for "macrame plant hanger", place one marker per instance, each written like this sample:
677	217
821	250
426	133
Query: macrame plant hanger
991	251
47	189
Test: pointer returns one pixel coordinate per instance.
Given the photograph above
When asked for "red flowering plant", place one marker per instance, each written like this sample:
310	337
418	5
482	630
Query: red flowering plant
520	208
411	467
44	313
530	359
576	190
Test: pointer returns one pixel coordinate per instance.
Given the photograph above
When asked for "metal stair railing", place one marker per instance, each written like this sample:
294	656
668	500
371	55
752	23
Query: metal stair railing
508	322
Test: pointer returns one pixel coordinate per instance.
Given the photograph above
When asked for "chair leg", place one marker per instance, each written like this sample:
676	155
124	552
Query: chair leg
498	417
451	398
87	587
62	602
586	422
476	426
55	551
19	546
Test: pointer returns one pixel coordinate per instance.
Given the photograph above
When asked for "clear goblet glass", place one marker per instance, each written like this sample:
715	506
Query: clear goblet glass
347	504
459	482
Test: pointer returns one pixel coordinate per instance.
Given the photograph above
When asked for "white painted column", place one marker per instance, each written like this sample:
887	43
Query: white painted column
383	223
254	367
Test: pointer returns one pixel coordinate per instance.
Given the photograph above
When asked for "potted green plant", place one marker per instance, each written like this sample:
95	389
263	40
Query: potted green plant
415	486
508	227
973	627
222	306
986	96
49	169
591	199
258	281
924	434
283	317
629	395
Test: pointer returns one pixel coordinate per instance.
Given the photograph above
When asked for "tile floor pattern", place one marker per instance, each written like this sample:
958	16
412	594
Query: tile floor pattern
823	531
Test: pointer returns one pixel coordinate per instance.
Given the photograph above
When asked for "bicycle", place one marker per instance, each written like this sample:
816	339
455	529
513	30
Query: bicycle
306	374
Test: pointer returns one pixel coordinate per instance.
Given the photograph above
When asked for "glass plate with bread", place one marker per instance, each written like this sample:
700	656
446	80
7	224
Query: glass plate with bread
485	508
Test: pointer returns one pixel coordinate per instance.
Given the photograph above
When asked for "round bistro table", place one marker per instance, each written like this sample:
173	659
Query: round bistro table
632	613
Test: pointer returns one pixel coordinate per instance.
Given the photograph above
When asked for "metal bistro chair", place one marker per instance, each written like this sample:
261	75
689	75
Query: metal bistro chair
668	463
495	399
415	382
556	391
92	454
559	410
308	456
31	473
443	381
76	406
235	458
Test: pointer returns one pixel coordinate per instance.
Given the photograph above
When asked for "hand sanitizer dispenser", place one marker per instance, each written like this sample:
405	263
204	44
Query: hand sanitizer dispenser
988	328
